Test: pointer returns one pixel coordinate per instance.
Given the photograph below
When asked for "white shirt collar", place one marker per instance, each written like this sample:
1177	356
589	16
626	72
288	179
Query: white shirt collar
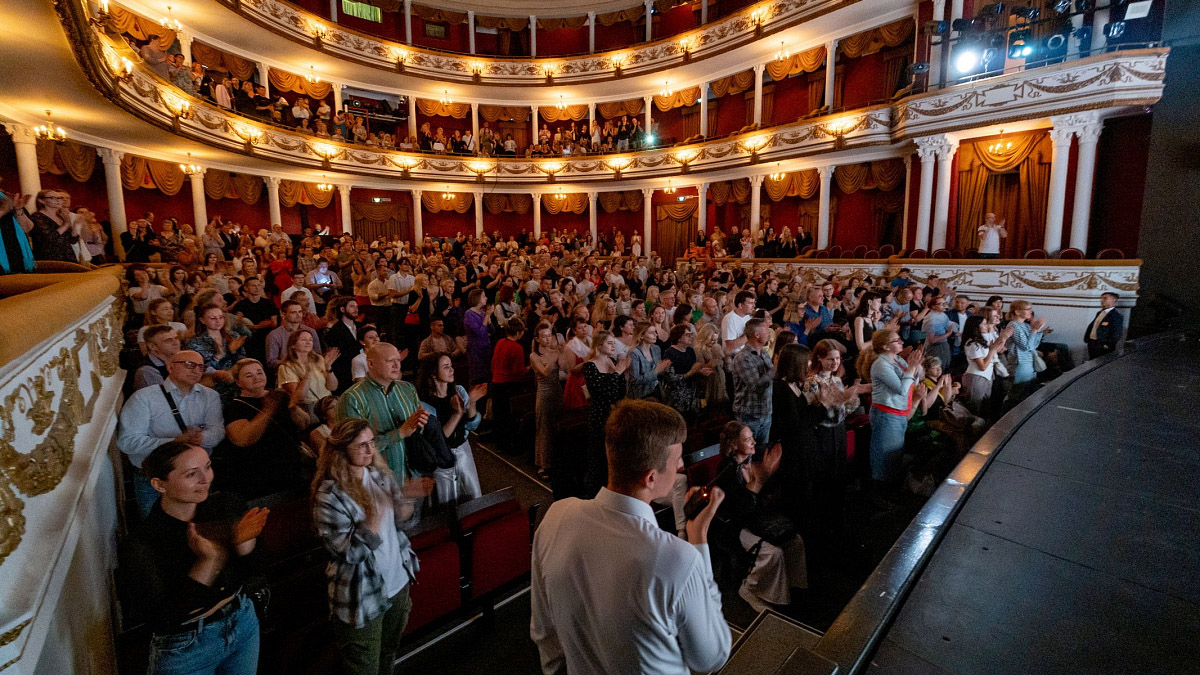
625	504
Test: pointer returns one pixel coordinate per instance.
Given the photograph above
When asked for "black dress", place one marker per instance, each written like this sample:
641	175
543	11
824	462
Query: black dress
605	390
49	243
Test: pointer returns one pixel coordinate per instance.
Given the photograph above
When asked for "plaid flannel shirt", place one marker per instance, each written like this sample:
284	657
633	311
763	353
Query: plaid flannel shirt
752	376
356	588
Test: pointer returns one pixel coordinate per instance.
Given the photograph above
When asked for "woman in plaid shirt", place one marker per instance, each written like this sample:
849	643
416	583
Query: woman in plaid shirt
360	510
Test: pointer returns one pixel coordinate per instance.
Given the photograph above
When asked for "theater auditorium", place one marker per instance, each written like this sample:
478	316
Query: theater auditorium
808	337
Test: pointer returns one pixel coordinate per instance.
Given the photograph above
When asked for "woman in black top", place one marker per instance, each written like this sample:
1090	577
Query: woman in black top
186	564
263	453
793	422
457	411
605	378
679	383
52	235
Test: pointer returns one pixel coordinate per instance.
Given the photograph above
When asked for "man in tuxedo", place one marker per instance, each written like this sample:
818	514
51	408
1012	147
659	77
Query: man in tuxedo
1104	332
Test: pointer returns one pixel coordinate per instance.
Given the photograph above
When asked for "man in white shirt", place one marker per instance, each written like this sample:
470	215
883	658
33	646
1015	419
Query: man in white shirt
612	592
990	234
733	326
297	292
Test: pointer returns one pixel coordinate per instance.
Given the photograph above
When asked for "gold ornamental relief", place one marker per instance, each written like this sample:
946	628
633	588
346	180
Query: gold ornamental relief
40	469
12	520
13	634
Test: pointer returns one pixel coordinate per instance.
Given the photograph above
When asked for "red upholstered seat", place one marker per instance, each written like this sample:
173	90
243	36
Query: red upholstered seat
850	445
860	251
887	250
1036	254
498	533
438	590
835	251
943	254
704	471
1110	254
872	255
823	253
1070	254
919	253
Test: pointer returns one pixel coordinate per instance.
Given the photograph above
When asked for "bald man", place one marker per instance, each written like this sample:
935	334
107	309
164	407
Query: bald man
178	409
388	403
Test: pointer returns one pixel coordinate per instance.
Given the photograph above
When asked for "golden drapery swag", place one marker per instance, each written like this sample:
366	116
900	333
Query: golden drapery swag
884	175
573	113
437	109
459	202
508	203
615	109
293	192
139	172
724	191
77	161
220	184
685	97
624	200
1004	159
442	15
675	225
211	57
631	14
570	22
386	220
733	84
286	81
683	210
513	23
515	113
803	184
871	41
566	202
124	21
806	61
986	183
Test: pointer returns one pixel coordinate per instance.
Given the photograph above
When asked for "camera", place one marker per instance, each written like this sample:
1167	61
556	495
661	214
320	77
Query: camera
697	502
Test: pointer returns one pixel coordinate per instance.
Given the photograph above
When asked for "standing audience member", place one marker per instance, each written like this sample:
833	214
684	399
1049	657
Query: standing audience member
892	380
645	361
341	316
457	411
508	373
605	378
262	454
479	341
291	314
1027	335
546	360
305	375
649	604
753	373
982	345
833	403
390	404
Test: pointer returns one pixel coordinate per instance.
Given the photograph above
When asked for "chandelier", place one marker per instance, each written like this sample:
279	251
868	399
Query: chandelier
49	131
445	100
191	169
323	186
666	90
170	22
562	104
312	75
783	54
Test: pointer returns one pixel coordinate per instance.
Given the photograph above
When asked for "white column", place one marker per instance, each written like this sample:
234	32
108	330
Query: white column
408	22
333	10
185	46
1056	203
648	102
1099	18
591	32
927	149
116	196
830	73
907	198
471	31
418	225
199	208
337	96
475	122
263	76
533	36
826	174
412	115
649	37
756	182
25	142
703	12
537	215
534	138
935	50
704	109
647	218
591	117
758	84
1084	172
344	199
593	226
478	213
273	199
941	205
702	208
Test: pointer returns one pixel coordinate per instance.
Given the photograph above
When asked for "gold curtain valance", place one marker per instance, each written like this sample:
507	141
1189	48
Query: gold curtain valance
515	113
724	191
625	200
665	5
805	62
1002	158
733	84
570	22
803	184
573	113
139	28
871	41
614	109
139	172
440	15
211	57
684	210
631	14
573	202
680	98
519	203
293	192
459	202
383	212
438	109
286	81
513	23
220	184
77	161
883	175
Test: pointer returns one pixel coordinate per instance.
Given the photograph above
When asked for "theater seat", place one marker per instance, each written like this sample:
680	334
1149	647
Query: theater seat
438	590
1070	254
919	253
1106	254
943	254
887	250
835	251
497	537
701	466
1036	254
860	251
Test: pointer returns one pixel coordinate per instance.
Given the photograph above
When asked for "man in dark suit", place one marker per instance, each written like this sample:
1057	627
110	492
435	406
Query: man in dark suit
343	335
1105	330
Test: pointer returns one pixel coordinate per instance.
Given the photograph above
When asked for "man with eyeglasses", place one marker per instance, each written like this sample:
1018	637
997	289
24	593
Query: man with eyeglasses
179	409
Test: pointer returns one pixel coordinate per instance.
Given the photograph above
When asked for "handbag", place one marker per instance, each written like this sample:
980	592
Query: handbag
1039	364
427	450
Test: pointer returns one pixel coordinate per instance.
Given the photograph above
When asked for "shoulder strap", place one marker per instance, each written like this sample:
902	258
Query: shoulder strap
174	408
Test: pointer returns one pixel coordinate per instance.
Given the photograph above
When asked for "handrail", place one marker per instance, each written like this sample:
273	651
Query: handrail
857	631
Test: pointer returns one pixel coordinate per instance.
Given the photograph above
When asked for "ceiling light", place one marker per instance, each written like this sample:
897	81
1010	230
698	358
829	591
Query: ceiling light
49	131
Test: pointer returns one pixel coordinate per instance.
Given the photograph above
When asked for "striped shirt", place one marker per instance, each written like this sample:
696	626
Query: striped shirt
385	410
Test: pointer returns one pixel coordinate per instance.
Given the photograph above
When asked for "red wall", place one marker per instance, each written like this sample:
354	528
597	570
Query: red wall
318	218
625	222
1122	156
93	194
138	202
564	221
252	216
731	113
851	226
676	20
784	213
320	7
447	223
914	179
862	80
668	126
790	100
562	42
618	35
507	223
448	124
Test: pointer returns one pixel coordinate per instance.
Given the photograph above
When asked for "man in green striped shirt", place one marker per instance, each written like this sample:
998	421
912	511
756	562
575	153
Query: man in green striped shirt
389	404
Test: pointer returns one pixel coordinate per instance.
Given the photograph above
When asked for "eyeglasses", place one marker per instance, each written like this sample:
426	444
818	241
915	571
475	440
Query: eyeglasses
895	340
365	445
190	365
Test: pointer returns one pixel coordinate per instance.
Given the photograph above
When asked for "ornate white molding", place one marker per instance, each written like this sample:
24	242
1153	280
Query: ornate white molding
1133	77
21	133
929	148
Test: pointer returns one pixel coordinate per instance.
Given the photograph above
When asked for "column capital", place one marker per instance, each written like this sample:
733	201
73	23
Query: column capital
831	45
416	192
1061	137
932	147
648	193
1079	119
110	157
756	179
1090	133
21	133
198	176
344	188
537	197
272	182
478	195
593	195
470	15
591	17
758	70
825	172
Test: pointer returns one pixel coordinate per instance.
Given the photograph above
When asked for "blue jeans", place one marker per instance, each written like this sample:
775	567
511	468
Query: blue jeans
225	646
887	444
759	426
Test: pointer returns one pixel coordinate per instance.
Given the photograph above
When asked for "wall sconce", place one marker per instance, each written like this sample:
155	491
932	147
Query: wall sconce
399	56
617	165
178	107
617	62
549	69
169	22
685	46
837	129
754	144
550	168
476	71
758	17
50	131
480	169
406	164
319	33
250	136
326	153
685	157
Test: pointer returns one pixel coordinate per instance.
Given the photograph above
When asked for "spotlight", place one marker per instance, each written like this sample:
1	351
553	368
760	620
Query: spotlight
1019	44
967	59
1027	12
1114	30
918	68
963	25
935	28
1085	5
997	41
1062	6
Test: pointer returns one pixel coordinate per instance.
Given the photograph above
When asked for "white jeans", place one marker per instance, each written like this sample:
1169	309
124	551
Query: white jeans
460	482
